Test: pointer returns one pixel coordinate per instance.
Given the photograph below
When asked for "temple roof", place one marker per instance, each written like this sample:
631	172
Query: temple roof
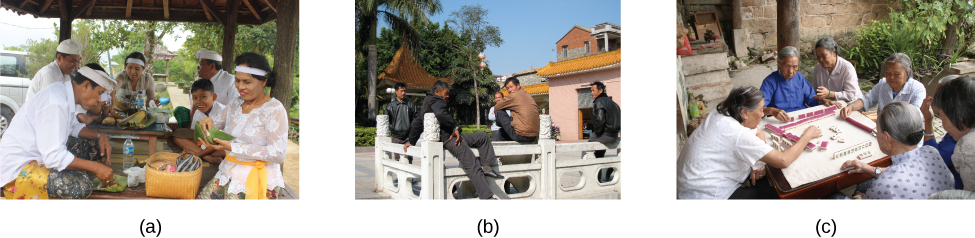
404	69
581	64
534	89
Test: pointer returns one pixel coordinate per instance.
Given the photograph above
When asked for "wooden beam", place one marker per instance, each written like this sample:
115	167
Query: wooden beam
787	33
47	4
128	9
166	9
88	13
210	7
253	10
101	14
23	3
229	32
273	6
87	4
65	31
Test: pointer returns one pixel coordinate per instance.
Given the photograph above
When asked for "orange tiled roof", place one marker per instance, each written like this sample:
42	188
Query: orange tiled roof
582	64
534	89
404	69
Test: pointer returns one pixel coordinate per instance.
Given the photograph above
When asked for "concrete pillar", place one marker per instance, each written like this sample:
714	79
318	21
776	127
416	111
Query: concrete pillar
382	137
431	165
549	178
606	39
787	32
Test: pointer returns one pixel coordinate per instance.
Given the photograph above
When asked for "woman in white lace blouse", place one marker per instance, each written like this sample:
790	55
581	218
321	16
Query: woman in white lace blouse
252	169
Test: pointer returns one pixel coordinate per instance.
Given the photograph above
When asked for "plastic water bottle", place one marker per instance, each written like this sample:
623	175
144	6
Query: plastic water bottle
128	149
140	101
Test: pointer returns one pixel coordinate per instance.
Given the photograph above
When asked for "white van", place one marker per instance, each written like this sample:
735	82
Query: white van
13	85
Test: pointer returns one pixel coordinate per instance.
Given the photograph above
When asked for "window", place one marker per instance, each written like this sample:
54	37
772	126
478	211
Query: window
565	51
8	66
587	47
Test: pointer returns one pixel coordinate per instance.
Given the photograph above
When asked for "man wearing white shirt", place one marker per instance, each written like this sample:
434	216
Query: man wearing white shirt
210	69
67	60
34	161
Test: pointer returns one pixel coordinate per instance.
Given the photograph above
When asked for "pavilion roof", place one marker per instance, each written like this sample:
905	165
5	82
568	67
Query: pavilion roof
581	64
251	12
406	70
162	53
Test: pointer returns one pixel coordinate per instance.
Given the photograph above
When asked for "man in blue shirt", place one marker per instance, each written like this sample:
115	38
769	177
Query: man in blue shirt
787	90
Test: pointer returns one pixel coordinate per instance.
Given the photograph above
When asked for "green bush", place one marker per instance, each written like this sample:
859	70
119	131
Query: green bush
366	136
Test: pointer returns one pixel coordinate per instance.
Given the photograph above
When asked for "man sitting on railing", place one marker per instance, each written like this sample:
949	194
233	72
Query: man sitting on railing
458	145
522	124
605	118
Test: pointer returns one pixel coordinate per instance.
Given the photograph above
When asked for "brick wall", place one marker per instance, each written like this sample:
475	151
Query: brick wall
818	18
576	38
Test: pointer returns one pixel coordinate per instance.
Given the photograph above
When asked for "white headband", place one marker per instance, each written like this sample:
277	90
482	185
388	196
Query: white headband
249	70
135	61
100	77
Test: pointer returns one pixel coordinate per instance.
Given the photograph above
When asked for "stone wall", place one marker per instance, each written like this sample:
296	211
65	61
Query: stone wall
818	18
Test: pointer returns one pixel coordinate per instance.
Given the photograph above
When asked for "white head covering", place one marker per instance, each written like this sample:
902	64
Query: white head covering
209	54
249	70
100	77
70	46
135	61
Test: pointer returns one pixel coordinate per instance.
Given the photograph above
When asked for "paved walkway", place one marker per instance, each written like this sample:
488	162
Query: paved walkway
365	180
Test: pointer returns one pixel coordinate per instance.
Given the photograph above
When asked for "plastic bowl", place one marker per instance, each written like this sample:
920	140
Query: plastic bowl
164	100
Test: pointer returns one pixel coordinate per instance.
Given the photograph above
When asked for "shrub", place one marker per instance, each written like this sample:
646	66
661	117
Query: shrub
366	136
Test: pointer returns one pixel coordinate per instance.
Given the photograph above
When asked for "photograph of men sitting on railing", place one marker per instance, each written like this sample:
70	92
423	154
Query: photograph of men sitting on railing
831	121
434	120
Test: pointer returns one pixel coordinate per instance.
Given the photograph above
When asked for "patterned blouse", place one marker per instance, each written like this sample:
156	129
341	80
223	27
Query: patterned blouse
261	134
915	174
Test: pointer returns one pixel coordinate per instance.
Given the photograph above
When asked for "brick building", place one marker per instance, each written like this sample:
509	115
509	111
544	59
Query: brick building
582	41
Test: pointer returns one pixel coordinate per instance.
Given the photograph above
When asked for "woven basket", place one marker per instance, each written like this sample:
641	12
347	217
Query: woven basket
178	185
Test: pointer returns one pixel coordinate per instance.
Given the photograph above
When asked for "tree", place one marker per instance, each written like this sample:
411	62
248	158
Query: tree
397	14
956	25
472	25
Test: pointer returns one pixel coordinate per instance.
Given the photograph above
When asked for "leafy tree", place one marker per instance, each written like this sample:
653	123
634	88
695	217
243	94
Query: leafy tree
397	14
472	25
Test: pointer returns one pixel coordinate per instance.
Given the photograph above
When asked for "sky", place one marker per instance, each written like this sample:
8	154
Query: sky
16	30
530	29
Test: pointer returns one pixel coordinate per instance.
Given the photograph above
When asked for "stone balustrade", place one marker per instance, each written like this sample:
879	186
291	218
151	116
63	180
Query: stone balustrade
531	169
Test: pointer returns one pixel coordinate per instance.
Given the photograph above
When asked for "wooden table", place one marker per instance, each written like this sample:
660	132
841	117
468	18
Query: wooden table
822	188
150	133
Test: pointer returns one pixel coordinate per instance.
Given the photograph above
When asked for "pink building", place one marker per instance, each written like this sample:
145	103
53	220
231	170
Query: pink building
570	100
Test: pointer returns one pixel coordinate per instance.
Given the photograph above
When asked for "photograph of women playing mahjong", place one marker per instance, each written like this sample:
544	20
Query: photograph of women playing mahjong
168	101
852	100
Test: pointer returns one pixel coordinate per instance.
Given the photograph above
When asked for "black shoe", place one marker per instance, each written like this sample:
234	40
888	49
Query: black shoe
491	173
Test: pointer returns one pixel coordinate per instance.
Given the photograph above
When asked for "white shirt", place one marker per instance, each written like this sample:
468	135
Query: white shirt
494	125
913	92
223	86
47	75
843	81
261	134
717	157
199	115
39	132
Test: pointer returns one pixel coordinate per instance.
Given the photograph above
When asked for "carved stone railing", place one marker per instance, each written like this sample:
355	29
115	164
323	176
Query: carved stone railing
530	168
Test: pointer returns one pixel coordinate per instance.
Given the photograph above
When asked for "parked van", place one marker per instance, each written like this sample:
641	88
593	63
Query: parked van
13	85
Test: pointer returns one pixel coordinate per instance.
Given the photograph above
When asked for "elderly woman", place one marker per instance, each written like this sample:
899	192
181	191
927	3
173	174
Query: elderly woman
131	81
787	90
917	171
835	78
252	168
728	149
947	145
956	107
898	85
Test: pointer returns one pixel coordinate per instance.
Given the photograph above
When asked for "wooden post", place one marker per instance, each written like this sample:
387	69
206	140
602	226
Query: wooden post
382	137
65	27
736	14
230	34
787	33
284	52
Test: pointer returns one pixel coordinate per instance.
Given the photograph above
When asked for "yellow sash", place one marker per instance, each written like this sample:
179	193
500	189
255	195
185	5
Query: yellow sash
256	179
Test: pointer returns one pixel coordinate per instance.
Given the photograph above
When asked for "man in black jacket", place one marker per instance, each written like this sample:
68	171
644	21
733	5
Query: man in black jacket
401	112
457	144
605	117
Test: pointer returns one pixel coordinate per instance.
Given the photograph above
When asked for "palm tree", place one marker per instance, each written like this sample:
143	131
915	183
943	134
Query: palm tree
397	14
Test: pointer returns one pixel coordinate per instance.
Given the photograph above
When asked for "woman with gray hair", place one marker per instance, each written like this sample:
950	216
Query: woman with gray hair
786	90
947	145
727	150
835	78
898	85
956	106
917	172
